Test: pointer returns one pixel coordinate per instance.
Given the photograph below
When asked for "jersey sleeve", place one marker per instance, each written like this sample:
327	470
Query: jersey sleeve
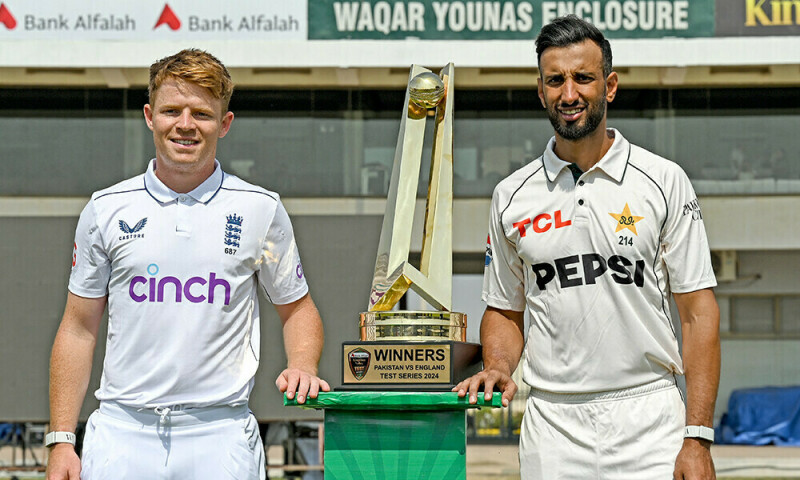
281	273
503	280
91	268
686	252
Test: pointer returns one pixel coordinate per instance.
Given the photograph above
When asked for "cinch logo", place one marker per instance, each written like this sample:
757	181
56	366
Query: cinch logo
783	12
6	18
542	223
153	289
577	270
168	18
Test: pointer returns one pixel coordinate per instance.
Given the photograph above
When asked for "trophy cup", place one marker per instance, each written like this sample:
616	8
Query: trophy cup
415	350
394	416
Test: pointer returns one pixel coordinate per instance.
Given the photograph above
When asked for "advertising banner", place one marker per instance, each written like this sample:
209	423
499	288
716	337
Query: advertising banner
152	20
247	20
503	20
372	33
740	18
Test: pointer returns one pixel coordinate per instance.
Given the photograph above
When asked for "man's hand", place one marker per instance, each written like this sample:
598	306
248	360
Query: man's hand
489	379
303	339
701	363
502	340
70	370
63	463
294	381
694	461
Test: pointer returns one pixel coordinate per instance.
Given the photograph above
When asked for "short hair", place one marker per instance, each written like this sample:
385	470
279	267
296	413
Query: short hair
569	30
195	66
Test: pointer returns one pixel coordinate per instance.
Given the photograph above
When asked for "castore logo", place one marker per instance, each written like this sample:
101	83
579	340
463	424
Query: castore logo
123	225
132	232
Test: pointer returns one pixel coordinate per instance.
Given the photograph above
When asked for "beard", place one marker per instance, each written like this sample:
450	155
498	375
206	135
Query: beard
575	130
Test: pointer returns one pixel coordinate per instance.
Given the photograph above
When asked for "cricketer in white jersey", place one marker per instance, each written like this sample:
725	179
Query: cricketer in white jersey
178	255
181	272
590	241
594	263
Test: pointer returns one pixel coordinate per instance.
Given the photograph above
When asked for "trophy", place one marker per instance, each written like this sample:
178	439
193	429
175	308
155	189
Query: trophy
415	350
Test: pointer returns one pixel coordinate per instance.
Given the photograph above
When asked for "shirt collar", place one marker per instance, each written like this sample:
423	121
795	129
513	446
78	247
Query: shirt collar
613	163
203	193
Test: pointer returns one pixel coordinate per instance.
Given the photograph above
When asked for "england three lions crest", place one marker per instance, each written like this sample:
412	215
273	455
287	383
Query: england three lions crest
233	232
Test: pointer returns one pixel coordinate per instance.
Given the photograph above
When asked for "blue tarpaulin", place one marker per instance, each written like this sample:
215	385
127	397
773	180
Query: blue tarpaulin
762	416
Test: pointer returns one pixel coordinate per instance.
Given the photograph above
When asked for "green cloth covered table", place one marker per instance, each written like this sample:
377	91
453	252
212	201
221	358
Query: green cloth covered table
395	435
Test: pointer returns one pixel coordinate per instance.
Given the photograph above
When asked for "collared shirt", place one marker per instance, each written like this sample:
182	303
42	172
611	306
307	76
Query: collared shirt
593	263
181	273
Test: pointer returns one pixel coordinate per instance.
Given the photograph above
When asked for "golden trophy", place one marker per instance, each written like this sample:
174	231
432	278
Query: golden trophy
415	350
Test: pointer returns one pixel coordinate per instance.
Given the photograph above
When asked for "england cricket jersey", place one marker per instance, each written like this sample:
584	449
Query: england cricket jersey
181	272
593	262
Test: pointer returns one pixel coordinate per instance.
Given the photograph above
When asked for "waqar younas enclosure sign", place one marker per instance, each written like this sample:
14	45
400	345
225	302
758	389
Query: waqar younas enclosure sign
503	20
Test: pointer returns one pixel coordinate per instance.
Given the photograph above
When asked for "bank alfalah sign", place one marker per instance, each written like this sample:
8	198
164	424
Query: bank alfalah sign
179	20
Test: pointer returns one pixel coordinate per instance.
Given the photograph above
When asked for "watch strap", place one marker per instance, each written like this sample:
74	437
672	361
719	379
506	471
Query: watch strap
59	437
699	431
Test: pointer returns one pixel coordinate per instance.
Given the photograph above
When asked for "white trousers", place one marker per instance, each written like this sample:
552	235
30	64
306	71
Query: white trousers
631	434
205	443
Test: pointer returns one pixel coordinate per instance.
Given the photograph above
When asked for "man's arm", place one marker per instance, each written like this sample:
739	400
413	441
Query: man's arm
502	340
70	370
303	338
701	361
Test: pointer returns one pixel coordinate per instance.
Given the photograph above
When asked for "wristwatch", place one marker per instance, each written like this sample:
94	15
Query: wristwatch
59	437
699	431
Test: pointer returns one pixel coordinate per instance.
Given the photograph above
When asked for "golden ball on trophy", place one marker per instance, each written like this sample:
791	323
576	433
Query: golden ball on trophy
426	90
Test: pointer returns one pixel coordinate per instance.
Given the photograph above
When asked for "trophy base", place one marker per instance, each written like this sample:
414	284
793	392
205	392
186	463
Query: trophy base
415	326
407	366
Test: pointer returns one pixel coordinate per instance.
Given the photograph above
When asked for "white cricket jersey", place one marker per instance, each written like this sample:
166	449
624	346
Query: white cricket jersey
181	273
594	263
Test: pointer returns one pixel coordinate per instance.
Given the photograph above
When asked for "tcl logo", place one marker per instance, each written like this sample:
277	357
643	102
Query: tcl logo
6	18
542	223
